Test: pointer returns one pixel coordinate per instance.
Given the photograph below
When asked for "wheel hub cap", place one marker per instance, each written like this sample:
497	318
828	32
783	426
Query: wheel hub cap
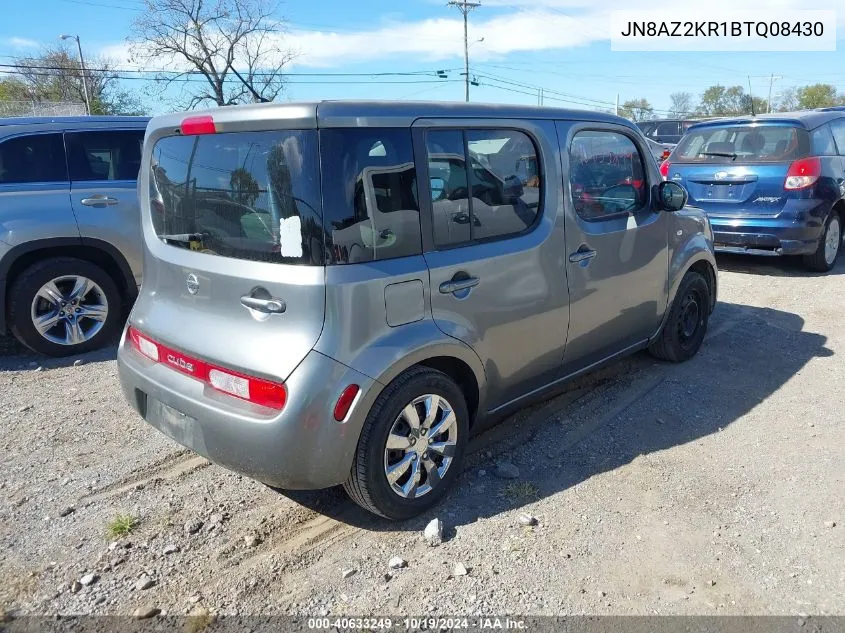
420	446
69	310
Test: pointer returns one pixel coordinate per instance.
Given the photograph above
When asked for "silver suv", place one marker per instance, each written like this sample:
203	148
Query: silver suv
339	292
70	235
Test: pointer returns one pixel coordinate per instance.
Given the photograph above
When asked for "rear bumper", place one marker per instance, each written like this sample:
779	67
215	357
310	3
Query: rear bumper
765	236
302	447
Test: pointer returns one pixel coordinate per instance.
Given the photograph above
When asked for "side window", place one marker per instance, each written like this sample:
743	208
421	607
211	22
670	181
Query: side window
104	155
606	175
838	129
485	184
33	159
370	201
821	142
668	128
447	172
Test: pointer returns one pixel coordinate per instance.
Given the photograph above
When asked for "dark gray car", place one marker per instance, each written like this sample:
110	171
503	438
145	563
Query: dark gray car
70	234
339	292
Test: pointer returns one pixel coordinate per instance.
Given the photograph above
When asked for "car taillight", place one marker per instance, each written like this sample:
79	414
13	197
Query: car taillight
255	390
666	154
664	169
803	173
196	125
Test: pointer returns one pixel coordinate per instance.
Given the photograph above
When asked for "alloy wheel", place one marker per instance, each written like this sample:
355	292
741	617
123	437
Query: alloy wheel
69	310
832	240
421	446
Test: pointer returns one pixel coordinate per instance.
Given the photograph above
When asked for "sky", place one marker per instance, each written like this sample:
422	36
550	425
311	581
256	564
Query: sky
516	48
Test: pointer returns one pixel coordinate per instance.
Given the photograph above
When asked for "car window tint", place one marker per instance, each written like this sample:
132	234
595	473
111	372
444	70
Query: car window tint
244	195
668	128
370	196
104	155
504	182
447	172
743	143
821	142
33	159
838	129
606	175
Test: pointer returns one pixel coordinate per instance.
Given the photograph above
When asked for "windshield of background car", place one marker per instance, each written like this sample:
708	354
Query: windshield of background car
245	195
743	144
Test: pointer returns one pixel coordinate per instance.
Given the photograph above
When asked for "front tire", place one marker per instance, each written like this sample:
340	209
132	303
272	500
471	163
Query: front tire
412	445
686	325
828	249
64	306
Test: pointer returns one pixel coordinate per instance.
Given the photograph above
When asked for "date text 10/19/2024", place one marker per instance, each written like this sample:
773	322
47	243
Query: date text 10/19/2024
418	624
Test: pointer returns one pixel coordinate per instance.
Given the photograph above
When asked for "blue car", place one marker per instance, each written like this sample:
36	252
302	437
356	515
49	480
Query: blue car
771	185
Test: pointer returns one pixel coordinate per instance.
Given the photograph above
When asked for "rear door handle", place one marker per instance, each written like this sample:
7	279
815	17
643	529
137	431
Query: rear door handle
267	306
99	201
456	285
582	255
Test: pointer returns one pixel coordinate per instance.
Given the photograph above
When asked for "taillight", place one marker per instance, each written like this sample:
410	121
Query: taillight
666	154
344	402
196	125
255	390
803	173
664	169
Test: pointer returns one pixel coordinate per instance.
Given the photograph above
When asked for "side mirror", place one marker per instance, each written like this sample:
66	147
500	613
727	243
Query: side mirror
672	196
437	187
512	188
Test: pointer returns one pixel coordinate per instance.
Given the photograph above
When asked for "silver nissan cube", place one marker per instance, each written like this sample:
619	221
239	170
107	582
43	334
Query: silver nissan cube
341	292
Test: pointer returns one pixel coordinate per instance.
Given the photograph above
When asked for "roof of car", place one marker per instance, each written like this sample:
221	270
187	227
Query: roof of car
355	113
805	118
97	120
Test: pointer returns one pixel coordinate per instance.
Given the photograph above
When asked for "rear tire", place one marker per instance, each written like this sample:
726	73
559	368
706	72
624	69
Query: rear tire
686	325
824	259
369	485
87	322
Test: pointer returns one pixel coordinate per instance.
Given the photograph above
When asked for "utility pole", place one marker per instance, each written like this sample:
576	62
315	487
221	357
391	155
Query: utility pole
617	105
772	81
465	7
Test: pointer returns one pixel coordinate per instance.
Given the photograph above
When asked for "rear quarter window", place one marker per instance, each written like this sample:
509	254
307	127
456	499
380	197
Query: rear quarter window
370	194
35	158
743	144
246	195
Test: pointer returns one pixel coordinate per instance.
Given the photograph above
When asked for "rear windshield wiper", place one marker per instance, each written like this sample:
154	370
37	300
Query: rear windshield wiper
725	154
182	237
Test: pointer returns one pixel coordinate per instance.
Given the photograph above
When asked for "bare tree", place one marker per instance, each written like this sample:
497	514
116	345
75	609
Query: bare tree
682	104
232	44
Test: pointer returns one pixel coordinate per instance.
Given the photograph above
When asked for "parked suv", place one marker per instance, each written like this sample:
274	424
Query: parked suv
337	293
70	235
771	185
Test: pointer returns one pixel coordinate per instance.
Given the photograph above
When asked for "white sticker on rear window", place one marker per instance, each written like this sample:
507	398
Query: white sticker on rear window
290	236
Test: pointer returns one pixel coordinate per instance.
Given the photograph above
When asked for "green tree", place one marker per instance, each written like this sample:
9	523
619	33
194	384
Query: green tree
13	90
718	100
56	75
637	110
817	96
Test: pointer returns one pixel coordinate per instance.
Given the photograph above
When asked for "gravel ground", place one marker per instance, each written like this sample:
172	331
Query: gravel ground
712	487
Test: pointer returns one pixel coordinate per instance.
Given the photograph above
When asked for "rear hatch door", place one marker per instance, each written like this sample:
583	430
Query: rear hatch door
738	169
234	270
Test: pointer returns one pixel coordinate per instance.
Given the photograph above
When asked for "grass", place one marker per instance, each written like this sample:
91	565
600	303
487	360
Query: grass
121	525
521	491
